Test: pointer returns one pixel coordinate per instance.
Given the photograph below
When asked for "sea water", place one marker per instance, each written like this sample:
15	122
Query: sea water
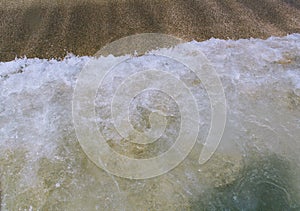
256	166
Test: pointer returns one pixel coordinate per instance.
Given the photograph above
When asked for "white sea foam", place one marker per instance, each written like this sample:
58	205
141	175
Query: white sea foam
261	79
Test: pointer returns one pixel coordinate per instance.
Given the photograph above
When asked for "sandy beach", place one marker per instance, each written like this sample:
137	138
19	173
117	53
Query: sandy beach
51	29
211	124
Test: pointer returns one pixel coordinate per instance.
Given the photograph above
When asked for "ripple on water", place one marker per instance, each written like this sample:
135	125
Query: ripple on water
265	183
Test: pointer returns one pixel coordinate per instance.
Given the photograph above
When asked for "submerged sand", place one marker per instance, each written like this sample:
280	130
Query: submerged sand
50	29
43	165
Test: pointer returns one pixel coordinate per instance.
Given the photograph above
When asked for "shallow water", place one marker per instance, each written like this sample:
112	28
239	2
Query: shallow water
256	166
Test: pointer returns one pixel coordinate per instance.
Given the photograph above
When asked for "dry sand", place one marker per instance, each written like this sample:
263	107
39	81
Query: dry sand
50	29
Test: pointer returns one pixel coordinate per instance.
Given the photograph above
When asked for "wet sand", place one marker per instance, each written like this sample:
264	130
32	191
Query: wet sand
51	29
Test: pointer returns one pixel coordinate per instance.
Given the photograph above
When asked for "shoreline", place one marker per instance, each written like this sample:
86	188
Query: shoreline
51	30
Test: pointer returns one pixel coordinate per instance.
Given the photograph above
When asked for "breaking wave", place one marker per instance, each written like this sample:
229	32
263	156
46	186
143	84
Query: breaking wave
256	166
